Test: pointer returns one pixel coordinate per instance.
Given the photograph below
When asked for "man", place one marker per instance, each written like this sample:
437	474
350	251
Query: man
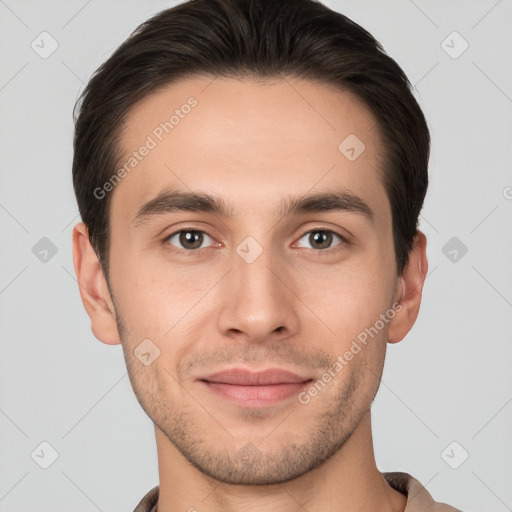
249	175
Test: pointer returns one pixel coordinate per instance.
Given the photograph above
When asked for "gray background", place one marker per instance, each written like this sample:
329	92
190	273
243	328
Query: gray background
449	380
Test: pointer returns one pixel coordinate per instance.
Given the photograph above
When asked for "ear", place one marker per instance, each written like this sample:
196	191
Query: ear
93	288
409	290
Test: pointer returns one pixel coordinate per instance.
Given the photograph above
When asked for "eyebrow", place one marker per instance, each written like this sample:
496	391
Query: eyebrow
178	201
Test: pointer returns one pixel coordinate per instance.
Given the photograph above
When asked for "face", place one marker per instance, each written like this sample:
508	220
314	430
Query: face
243	280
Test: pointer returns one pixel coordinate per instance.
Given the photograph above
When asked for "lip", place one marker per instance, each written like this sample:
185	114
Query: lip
245	377
255	389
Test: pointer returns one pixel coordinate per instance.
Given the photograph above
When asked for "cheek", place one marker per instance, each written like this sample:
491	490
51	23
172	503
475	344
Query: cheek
150	385
357	310
145	304
348	299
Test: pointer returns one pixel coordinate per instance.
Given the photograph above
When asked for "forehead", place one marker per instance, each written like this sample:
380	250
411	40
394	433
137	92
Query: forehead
250	140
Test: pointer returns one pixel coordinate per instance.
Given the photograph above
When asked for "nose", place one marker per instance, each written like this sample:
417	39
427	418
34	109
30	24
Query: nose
258	301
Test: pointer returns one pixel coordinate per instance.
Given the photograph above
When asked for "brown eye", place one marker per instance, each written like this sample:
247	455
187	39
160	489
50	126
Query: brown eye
188	239
321	239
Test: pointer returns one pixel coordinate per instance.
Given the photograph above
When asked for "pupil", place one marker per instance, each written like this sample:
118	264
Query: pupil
188	237
319	235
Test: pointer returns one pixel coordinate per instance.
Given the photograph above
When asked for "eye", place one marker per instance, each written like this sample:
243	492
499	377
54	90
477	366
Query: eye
188	239
321	239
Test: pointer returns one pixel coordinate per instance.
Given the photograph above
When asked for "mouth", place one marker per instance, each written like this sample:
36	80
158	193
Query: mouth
255	389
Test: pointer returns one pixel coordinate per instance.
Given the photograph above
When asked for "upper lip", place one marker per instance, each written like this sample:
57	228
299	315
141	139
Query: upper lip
245	377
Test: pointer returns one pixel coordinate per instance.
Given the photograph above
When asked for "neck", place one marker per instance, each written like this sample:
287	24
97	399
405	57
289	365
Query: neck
349	481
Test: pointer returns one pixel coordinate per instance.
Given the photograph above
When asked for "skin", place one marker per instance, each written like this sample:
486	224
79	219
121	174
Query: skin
253	143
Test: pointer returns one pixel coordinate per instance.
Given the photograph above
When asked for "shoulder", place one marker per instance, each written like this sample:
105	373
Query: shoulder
149	502
418	498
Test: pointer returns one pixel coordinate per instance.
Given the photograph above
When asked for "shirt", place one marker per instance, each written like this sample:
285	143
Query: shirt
418	498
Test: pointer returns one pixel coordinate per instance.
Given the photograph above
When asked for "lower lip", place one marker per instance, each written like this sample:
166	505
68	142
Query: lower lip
256	396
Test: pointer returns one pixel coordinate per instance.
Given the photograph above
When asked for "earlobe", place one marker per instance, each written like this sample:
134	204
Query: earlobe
93	288
410	290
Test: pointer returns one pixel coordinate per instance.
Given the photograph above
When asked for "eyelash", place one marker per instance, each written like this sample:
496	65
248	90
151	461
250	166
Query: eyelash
194	252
